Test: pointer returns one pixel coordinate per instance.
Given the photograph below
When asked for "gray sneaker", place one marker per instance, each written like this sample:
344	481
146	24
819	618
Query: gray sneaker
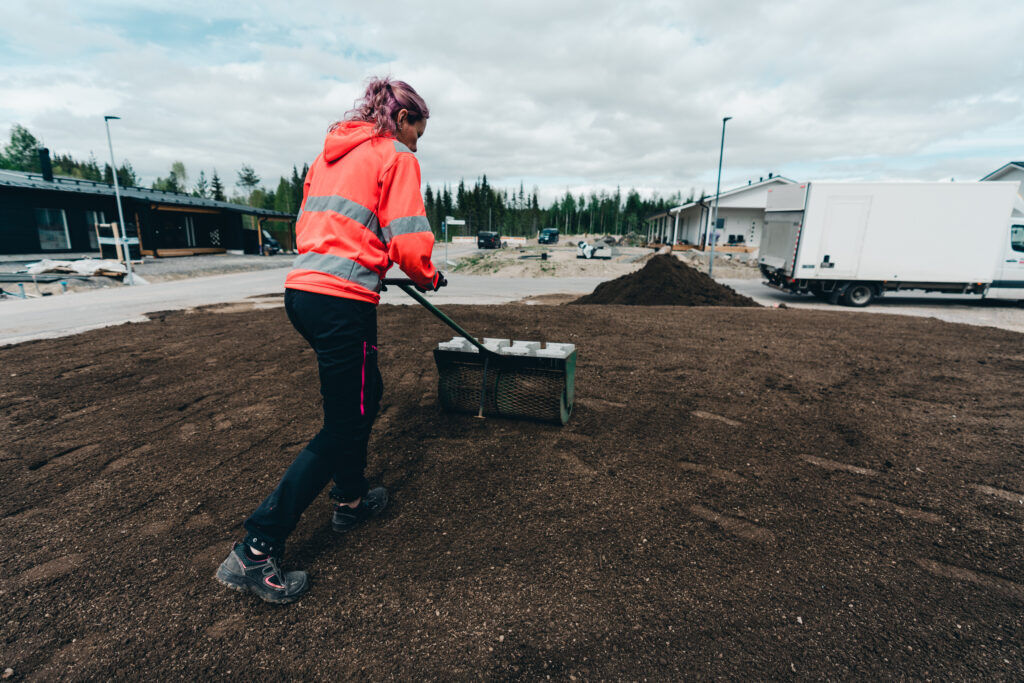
262	577
372	504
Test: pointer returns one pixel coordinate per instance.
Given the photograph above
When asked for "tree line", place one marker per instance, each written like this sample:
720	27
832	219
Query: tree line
508	211
518	213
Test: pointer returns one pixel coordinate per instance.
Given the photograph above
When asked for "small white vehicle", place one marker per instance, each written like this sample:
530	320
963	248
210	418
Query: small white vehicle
852	242
585	250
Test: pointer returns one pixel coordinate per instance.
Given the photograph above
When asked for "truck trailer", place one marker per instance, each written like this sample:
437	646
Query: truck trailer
851	243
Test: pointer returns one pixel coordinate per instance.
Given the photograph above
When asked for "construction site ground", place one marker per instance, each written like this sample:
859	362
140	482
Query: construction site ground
563	261
742	493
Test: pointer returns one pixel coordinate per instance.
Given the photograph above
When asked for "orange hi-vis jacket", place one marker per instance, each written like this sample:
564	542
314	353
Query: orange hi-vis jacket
362	211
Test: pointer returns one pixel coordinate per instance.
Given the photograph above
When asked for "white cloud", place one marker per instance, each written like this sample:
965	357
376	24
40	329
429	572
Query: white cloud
581	95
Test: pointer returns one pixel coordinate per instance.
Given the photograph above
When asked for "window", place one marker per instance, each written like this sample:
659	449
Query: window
1017	237
53	229
92	219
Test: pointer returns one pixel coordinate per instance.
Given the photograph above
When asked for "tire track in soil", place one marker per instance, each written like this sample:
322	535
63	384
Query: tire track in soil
73	456
719	418
912	513
51	570
734	525
838	466
147	497
598	403
577	465
713	472
1005	587
1011	496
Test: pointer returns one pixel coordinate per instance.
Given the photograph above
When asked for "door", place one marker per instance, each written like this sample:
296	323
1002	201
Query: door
1009	280
846	219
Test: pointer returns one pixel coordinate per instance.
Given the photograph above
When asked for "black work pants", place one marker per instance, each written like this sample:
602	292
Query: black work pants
343	333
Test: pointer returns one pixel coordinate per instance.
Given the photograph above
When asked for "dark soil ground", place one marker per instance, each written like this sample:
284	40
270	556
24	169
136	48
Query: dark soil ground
741	493
665	281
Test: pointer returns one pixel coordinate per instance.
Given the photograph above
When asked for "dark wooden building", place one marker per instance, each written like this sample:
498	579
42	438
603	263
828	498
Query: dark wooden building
46	214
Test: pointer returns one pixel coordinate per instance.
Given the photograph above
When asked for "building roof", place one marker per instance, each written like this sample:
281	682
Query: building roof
1005	167
35	181
734	191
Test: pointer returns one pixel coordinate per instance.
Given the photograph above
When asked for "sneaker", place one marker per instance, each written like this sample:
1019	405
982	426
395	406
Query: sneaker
262	577
372	504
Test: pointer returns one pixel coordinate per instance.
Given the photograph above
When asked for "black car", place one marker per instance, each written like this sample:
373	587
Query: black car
270	245
548	236
488	240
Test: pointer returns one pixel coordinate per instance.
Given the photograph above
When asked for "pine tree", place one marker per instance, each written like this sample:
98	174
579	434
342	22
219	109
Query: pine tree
126	175
247	178
268	200
217	188
430	204
284	200
447	209
91	169
297	186
249	182
202	188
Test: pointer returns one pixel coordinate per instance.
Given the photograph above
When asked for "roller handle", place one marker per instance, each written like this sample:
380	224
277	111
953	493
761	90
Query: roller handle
409	287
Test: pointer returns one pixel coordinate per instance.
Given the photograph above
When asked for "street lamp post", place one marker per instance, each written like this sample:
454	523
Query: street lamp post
718	189
120	212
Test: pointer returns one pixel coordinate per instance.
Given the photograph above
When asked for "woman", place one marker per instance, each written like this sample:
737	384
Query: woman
361	212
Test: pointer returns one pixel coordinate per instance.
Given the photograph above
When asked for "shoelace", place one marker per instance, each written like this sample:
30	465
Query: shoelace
272	563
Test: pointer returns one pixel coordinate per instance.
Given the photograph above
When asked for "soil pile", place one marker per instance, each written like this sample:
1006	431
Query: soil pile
850	513
665	281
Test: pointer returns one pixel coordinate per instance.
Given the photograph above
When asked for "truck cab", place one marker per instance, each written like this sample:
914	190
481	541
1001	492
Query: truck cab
1008	282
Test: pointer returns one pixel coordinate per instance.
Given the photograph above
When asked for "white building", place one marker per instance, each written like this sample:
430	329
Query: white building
740	209
1011	171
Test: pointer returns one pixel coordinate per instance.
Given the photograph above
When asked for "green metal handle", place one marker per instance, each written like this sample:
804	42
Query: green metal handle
409	287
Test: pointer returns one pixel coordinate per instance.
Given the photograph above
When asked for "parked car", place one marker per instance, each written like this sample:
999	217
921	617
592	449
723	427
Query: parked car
548	236
270	245
486	239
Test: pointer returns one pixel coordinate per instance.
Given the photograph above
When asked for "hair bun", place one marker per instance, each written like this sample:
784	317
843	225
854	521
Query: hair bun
382	101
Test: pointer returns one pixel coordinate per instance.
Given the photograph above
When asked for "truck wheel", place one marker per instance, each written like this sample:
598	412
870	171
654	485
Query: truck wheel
858	294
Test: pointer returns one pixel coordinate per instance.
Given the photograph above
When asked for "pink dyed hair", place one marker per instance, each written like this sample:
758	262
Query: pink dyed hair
382	101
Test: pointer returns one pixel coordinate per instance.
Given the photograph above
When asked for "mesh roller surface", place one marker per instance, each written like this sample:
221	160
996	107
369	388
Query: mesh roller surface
520	393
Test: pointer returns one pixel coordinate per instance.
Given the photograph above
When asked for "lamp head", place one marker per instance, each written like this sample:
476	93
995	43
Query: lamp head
108	118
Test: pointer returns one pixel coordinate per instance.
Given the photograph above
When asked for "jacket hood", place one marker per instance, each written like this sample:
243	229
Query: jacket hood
345	138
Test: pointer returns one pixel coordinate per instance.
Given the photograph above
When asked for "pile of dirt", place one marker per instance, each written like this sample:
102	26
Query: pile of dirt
665	281
851	513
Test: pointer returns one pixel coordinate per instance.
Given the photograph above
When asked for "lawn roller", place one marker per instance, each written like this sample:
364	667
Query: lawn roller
500	377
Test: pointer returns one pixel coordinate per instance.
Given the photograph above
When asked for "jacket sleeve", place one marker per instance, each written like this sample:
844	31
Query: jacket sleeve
403	220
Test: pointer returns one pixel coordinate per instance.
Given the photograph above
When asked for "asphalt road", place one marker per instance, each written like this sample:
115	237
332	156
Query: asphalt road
970	310
60	315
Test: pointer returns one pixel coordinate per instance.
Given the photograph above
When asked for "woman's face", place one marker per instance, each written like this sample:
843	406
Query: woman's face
409	133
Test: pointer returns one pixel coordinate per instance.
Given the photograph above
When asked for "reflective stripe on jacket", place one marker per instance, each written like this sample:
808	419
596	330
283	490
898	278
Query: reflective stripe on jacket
362	211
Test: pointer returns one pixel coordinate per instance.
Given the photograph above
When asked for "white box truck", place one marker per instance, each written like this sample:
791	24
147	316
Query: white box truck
853	242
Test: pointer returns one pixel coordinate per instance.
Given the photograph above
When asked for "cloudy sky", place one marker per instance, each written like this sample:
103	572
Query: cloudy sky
559	95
